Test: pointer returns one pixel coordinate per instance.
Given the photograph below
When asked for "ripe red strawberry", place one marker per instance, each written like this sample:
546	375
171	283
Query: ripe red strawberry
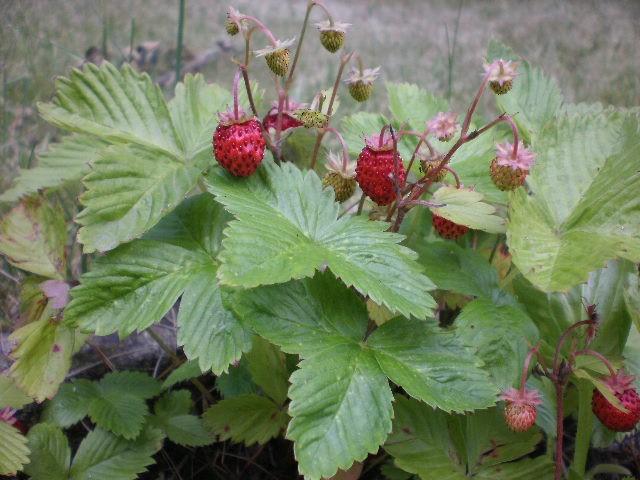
270	121
375	171
520	410
238	144
622	387
448	229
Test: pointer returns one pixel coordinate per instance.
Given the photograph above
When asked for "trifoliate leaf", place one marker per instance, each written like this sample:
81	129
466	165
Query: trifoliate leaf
287	227
43	355
33	236
237	381
10	395
71	403
14	452
136	383
119	412
341	410
129	190
133	287
501	334
268	368
432	365
188	370
583	208
108	457
50	453
173	418
64	163
465	207
246	418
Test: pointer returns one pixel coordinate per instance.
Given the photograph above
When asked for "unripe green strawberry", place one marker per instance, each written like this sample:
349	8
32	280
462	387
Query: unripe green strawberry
507	171
360	83
428	165
311	118
332	34
344	187
233	22
277	56
231	27
500	75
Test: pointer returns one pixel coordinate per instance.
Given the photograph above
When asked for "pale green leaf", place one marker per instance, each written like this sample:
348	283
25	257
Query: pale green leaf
33	236
341	410
465	207
71	403
246	418
120	106
583	209
546	418
50	453
129	190
173	418
414	105
287	227
108	457
433	365
207	331
64	163
534	100
14	452
10	395
188	370
496	50
268	368
527	469
43	356
501	334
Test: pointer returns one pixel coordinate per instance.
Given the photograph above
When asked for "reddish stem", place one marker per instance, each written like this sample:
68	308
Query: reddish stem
562	339
559	470
263	28
236	107
474	105
525	369
381	138
455	175
600	357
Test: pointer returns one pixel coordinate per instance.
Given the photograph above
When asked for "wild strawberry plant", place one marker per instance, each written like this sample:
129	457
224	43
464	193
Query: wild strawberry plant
388	301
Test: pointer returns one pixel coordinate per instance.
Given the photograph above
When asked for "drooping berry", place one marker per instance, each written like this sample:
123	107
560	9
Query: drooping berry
340	177
376	170
520	409
360	83
270	120
501	74
444	126
448	229
277	56
507	171
238	144
233	22
429	164
622	387
311	118
332	34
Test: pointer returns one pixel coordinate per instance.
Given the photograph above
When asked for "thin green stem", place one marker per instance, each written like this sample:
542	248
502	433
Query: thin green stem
180	41
310	6
585	427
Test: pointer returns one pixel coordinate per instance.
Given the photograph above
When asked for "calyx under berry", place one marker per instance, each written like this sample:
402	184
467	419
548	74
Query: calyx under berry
501	74
332	34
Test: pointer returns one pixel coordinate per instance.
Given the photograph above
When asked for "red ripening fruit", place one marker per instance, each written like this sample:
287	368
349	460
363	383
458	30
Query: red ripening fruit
270	120
520	417
448	229
612	418
375	171
239	147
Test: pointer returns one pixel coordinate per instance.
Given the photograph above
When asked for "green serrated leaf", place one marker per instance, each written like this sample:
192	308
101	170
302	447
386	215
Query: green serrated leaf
129	189
414	105
237	381
64	163
502	336
341	410
432	365
50	453
534	101
119	412
582	209
246	418
14	452
10	395
33	236
121	106
268	368
71	403
526	469
136	383
108	457
496	50
188	370
359	125
43	356
287	227
465	207
173	418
